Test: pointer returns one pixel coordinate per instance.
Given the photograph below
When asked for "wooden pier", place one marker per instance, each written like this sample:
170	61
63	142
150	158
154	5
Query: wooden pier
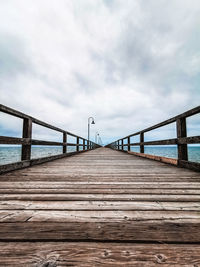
101	196
103	207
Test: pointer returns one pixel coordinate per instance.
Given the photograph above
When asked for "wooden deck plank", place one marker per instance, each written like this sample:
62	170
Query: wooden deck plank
97	254
95	216
164	231
104	197
98	205
103	179
143	191
96	185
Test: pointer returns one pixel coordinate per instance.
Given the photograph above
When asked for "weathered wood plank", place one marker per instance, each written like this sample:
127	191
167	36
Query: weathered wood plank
14	140
138	191
180	230
158	158
26	163
98	185
91	179
173	141
98	205
92	254
104	197
96	216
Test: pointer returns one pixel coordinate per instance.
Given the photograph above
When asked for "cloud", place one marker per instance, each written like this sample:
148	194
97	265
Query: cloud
129	65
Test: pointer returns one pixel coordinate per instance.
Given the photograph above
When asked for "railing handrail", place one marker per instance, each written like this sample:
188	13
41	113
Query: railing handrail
181	140
27	141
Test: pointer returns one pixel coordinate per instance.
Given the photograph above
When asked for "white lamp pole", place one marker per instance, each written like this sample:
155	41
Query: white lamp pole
96	137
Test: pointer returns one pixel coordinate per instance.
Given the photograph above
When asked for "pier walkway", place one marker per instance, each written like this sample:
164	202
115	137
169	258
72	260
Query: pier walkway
102	207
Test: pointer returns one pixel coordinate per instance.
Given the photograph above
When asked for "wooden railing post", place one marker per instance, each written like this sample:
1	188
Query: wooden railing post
64	141
77	143
27	133
118	144
122	144
83	144
129	147
141	141
181	128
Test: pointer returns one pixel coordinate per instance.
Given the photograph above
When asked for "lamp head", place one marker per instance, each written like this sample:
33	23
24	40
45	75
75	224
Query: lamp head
92	122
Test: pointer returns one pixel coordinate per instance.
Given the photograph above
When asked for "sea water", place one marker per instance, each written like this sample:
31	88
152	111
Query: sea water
10	154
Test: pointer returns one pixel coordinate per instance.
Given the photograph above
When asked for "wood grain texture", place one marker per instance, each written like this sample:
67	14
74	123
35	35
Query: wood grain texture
56	254
165	231
98	205
101	195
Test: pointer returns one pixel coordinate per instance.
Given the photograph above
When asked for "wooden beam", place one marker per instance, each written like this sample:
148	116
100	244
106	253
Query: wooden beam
173	141
83	144
182	132
122	144
128	141
189	140
77	144
14	140
157	158
46	143
141	141
27	133
64	141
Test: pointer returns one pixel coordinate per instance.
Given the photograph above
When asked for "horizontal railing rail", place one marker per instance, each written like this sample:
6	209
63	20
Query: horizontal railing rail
182	140
26	141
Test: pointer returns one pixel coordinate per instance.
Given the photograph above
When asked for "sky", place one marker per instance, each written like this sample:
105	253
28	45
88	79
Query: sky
129	64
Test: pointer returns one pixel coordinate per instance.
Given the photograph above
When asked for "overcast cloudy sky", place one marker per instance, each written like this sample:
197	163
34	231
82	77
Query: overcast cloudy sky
129	64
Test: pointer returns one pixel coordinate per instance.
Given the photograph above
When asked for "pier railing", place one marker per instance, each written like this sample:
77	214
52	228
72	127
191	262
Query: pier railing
26	141
182	141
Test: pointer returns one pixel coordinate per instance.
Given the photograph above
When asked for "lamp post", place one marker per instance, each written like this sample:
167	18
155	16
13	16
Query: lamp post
96	137
100	141
89	126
